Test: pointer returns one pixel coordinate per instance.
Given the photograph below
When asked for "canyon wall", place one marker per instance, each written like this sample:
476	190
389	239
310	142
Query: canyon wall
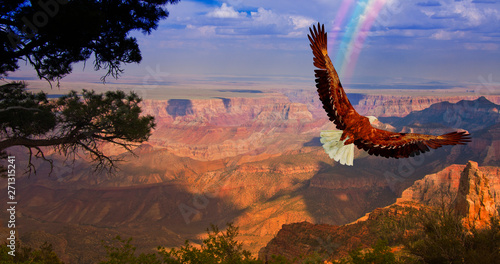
226	127
255	161
442	187
470	189
218	128
397	104
400	106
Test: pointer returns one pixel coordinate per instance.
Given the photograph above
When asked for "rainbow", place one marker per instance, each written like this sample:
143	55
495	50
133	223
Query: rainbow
363	13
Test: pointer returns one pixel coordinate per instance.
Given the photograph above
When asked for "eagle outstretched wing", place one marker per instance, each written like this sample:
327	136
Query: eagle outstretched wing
331	93
357	128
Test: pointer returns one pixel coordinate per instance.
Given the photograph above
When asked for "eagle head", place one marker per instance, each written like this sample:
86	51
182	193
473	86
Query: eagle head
372	119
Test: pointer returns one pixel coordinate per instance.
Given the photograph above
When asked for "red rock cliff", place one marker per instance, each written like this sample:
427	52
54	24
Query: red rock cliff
443	185
474	201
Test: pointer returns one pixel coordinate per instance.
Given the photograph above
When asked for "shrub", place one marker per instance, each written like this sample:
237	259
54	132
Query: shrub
444	239
43	255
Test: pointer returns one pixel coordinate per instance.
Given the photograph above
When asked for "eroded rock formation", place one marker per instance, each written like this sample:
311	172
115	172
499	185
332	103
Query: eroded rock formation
474	202
470	189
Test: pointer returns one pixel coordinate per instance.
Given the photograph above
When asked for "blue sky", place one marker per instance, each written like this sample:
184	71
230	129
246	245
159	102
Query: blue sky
424	41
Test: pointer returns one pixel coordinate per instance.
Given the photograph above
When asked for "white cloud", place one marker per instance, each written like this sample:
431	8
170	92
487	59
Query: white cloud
467	13
200	37
283	24
268	17
447	35
225	11
264	16
450	15
203	30
301	22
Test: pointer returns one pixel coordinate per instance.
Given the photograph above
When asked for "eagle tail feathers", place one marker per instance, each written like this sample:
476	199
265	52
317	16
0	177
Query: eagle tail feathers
335	148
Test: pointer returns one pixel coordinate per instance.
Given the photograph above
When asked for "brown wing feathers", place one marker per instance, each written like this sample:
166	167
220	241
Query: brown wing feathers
340	111
409	145
324	79
319	45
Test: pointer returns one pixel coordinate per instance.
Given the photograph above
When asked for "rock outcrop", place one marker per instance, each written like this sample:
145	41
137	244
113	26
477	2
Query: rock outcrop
474	202
466	187
443	186
297	241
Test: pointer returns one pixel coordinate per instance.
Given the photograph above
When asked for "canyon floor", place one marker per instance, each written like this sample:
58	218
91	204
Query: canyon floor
245	155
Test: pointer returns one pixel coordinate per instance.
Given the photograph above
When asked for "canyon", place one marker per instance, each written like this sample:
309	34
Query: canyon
469	189
253	160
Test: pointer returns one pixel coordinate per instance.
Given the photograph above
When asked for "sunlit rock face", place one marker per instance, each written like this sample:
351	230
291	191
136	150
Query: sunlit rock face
443	187
470	190
219	128
474	201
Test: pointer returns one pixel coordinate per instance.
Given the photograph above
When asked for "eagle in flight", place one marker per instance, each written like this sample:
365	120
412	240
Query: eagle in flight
355	129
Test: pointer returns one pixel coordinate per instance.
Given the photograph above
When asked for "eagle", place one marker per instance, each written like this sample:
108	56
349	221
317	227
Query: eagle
355	129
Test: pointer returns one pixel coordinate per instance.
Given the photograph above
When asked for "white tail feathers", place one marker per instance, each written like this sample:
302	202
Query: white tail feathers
335	148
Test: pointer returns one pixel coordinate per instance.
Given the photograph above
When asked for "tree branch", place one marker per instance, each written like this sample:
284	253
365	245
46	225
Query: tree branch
75	123
20	108
27	142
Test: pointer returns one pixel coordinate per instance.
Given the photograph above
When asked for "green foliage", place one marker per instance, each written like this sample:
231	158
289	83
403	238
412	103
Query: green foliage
279	260
484	244
445	240
123	252
395	230
71	123
379	254
44	255
442	240
23	113
315	258
219	247
113	115
53	35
